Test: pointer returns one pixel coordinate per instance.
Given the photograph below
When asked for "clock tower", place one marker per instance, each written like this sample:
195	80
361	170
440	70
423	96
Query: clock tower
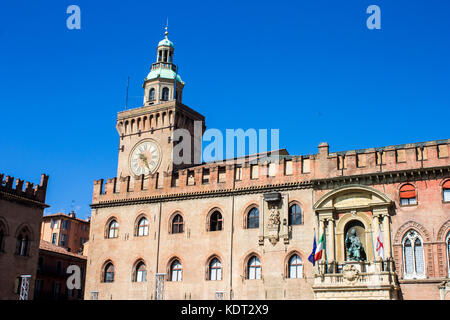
147	132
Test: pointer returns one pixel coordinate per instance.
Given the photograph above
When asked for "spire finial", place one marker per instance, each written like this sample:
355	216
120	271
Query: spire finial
167	27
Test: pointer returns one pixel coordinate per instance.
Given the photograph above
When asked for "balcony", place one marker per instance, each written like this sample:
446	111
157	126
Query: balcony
356	280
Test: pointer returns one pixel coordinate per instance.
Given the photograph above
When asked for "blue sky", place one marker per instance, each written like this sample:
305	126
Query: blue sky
309	68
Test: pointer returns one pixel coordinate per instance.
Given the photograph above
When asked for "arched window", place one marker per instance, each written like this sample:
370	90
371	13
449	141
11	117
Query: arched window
253	218
295	267
23	243
446	191
142	227
108	272
176	271
295	215
215	269
177	224
215	221
165	94
254	268
140	272
151	94
413	256
113	229
408	195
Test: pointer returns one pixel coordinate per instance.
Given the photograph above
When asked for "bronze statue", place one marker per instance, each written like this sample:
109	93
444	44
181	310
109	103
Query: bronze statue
355	250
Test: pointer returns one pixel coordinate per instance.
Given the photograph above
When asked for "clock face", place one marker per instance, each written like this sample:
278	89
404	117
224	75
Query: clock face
145	158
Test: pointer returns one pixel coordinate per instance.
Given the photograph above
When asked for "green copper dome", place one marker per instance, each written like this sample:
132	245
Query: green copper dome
163	73
165	42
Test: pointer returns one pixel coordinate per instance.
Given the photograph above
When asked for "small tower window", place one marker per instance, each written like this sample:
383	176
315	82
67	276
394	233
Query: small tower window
165	94
151	94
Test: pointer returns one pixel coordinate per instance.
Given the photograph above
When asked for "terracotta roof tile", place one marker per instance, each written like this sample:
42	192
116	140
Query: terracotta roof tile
45	245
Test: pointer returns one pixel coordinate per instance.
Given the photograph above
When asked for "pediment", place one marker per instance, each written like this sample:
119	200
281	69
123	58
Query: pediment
351	197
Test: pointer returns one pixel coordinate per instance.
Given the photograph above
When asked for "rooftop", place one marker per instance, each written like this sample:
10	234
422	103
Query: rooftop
64	215
47	246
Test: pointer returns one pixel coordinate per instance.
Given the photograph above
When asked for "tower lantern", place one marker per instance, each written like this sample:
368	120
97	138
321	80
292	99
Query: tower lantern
163	83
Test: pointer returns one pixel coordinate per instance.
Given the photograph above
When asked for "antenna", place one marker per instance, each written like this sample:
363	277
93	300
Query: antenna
126	101
166	33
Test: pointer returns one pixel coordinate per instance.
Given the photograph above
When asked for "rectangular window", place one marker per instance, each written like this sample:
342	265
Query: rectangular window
421	154
159	182
288	167
446	195
222	174
442	151
175	179
190	178
238	173
54	237
341	162
408	201
54	224
380	157
63	240
360	160
400	155
65	224
205	177
272	169
306	165
254	171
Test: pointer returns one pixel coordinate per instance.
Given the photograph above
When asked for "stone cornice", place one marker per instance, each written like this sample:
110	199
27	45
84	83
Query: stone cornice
202	194
23	200
383	177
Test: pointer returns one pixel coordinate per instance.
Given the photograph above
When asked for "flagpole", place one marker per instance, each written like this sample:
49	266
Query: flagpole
373	249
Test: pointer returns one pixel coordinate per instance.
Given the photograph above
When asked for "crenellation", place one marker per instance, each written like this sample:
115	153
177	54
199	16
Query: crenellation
322	165
16	186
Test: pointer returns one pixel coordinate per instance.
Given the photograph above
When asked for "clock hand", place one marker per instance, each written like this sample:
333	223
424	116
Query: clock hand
145	160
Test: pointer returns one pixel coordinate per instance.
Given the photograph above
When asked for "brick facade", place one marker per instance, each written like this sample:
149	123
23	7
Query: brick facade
21	208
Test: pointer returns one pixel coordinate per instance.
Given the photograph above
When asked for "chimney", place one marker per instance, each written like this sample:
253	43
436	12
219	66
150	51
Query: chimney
323	150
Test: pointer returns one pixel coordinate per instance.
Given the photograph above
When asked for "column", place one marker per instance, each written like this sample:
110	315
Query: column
331	240
386	237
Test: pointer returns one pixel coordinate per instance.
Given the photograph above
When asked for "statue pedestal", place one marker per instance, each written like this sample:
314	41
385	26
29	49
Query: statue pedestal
359	265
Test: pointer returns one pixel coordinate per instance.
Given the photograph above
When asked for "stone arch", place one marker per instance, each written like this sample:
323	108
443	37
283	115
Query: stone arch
443	231
246	262
207	264
411	225
246	212
365	196
24	227
208	218
4	225
287	259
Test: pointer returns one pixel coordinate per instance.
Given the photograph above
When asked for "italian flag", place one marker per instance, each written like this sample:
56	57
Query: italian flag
319	249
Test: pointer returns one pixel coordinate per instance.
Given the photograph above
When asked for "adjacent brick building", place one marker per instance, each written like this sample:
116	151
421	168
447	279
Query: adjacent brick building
244	229
21	208
52	275
65	230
